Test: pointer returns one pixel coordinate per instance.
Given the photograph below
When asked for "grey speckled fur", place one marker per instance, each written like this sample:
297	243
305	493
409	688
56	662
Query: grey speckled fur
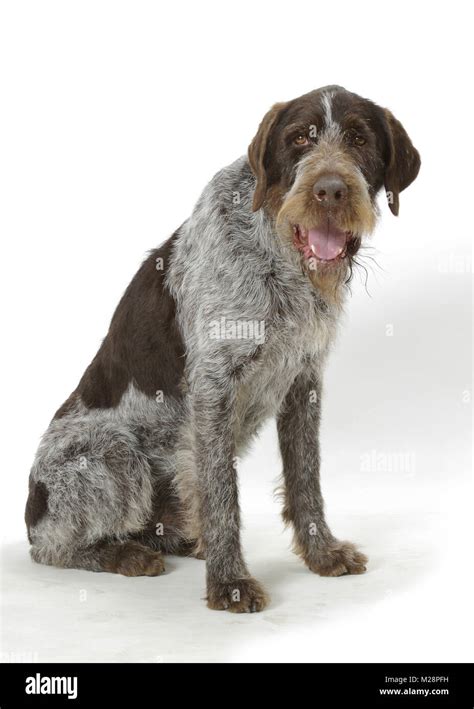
105	479
98	464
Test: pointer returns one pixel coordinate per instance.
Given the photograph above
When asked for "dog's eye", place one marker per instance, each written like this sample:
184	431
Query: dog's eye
301	139
359	140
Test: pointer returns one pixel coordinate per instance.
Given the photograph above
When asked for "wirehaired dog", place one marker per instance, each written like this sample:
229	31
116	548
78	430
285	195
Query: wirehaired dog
228	323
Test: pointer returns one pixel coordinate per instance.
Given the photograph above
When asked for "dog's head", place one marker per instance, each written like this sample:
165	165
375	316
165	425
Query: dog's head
319	162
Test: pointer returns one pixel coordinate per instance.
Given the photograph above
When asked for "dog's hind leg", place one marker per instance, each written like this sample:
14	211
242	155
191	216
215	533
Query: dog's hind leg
128	558
91	489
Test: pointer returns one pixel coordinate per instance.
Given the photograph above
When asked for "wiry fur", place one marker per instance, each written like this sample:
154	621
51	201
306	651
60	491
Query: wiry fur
121	475
100	467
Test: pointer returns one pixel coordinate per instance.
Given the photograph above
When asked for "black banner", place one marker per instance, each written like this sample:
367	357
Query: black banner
324	685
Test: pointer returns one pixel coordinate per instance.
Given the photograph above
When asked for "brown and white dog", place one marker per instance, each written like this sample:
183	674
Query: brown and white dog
228	323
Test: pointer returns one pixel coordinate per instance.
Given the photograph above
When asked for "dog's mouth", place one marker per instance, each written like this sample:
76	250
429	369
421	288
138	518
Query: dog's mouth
326	242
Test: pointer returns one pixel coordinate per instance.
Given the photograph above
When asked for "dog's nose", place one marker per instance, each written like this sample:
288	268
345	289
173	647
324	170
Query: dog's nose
330	189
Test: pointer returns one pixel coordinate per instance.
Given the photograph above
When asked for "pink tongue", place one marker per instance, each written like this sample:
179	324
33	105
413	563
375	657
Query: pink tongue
326	243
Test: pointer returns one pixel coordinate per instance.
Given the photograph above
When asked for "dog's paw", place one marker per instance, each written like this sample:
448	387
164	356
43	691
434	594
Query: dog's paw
136	560
339	559
240	596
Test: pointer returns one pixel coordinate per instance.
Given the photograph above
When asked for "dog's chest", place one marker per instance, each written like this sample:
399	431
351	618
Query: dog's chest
299	333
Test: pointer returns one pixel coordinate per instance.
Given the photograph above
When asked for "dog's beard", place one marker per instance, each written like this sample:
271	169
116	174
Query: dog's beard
327	240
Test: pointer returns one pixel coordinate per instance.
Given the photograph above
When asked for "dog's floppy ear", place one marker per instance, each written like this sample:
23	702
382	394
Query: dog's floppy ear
257	150
403	161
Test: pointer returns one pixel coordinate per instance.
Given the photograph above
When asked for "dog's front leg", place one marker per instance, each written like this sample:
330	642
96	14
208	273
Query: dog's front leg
229	584
298	431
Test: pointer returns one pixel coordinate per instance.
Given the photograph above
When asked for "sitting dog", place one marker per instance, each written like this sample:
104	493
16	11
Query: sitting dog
228	323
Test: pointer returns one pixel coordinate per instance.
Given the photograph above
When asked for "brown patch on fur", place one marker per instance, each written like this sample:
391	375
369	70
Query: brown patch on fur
327	282
356	214
36	506
257	153
132	559
404	163
274	200
143	345
338	559
240	596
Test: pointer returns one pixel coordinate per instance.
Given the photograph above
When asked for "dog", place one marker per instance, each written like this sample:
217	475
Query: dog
226	324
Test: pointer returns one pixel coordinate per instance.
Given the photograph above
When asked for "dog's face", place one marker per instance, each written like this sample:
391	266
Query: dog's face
319	161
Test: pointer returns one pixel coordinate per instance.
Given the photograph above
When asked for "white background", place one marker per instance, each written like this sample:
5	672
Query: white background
114	116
